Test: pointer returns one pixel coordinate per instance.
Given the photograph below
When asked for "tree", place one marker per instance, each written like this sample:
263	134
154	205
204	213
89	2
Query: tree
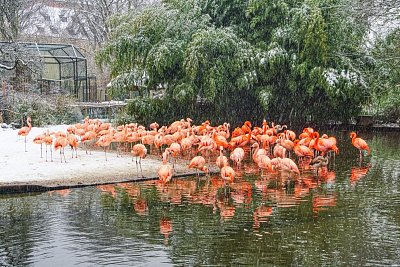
284	61
90	17
17	15
13	55
302	76
385	77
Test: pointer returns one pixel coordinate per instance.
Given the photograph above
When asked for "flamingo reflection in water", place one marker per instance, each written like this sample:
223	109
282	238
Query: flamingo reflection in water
140	206
226	210
321	202
107	188
260	215
165	228
242	193
357	173
132	189
61	192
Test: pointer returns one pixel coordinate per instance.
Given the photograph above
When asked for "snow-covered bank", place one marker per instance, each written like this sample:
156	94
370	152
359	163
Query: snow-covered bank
27	168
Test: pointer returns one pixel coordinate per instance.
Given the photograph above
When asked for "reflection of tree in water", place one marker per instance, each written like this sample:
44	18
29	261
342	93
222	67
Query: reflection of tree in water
255	220
22	227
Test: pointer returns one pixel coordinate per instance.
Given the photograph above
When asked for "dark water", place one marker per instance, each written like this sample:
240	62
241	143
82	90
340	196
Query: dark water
347	216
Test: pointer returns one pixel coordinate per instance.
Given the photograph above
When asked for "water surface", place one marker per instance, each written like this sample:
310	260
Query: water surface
348	215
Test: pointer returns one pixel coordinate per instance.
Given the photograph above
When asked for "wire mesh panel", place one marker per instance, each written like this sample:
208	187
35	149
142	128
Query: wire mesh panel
64	70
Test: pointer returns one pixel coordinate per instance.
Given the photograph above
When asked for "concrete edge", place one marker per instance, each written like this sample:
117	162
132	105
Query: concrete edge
32	187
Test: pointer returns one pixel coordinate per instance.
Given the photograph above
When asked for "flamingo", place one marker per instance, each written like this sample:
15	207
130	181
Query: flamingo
148	140
285	165
221	160
120	138
302	151
227	174
175	149
105	141
198	162
359	143
39	140
154	126
207	144
220	140
139	150
24	131
165	171
290	135
88	136
73	143
60	143
237	156
186	143
319	162
48	140
159	141
279	151
289	165
264	162
286	143
258	152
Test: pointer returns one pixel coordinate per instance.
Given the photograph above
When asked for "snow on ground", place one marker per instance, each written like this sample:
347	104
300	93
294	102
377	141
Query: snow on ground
19	168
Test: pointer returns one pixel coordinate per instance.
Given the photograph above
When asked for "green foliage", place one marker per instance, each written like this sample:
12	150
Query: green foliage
216	61
265	16
385	77
239	60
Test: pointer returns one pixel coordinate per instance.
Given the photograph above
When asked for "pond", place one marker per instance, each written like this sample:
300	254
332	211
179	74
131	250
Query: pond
348	215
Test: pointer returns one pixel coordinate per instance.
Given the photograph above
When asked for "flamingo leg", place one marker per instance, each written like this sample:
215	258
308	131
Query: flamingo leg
46	153
41	151
140	163
137	167
51	153
65	160
105	152
25	144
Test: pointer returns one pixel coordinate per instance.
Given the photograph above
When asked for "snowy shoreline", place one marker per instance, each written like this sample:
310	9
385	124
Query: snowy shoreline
19	168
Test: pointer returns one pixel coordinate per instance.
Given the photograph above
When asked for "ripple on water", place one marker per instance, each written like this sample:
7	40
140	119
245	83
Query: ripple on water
346	216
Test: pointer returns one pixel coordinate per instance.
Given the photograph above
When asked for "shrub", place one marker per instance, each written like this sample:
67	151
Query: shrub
44	110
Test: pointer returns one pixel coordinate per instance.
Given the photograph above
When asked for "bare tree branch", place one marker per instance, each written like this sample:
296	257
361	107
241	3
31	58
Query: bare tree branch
16	15
91	16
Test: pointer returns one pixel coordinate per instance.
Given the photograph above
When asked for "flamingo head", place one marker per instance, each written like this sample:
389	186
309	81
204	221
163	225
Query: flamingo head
353	135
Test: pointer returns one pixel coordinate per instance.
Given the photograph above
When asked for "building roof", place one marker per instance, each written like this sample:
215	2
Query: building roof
63	53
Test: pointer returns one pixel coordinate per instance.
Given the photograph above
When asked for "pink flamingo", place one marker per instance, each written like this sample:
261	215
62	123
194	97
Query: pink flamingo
139	150
198	162
24	131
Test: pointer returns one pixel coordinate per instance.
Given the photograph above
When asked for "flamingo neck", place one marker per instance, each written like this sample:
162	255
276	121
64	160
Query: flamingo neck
256	149
353	138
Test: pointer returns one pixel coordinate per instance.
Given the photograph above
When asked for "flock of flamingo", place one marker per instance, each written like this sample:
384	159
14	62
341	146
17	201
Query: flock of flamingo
270	147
